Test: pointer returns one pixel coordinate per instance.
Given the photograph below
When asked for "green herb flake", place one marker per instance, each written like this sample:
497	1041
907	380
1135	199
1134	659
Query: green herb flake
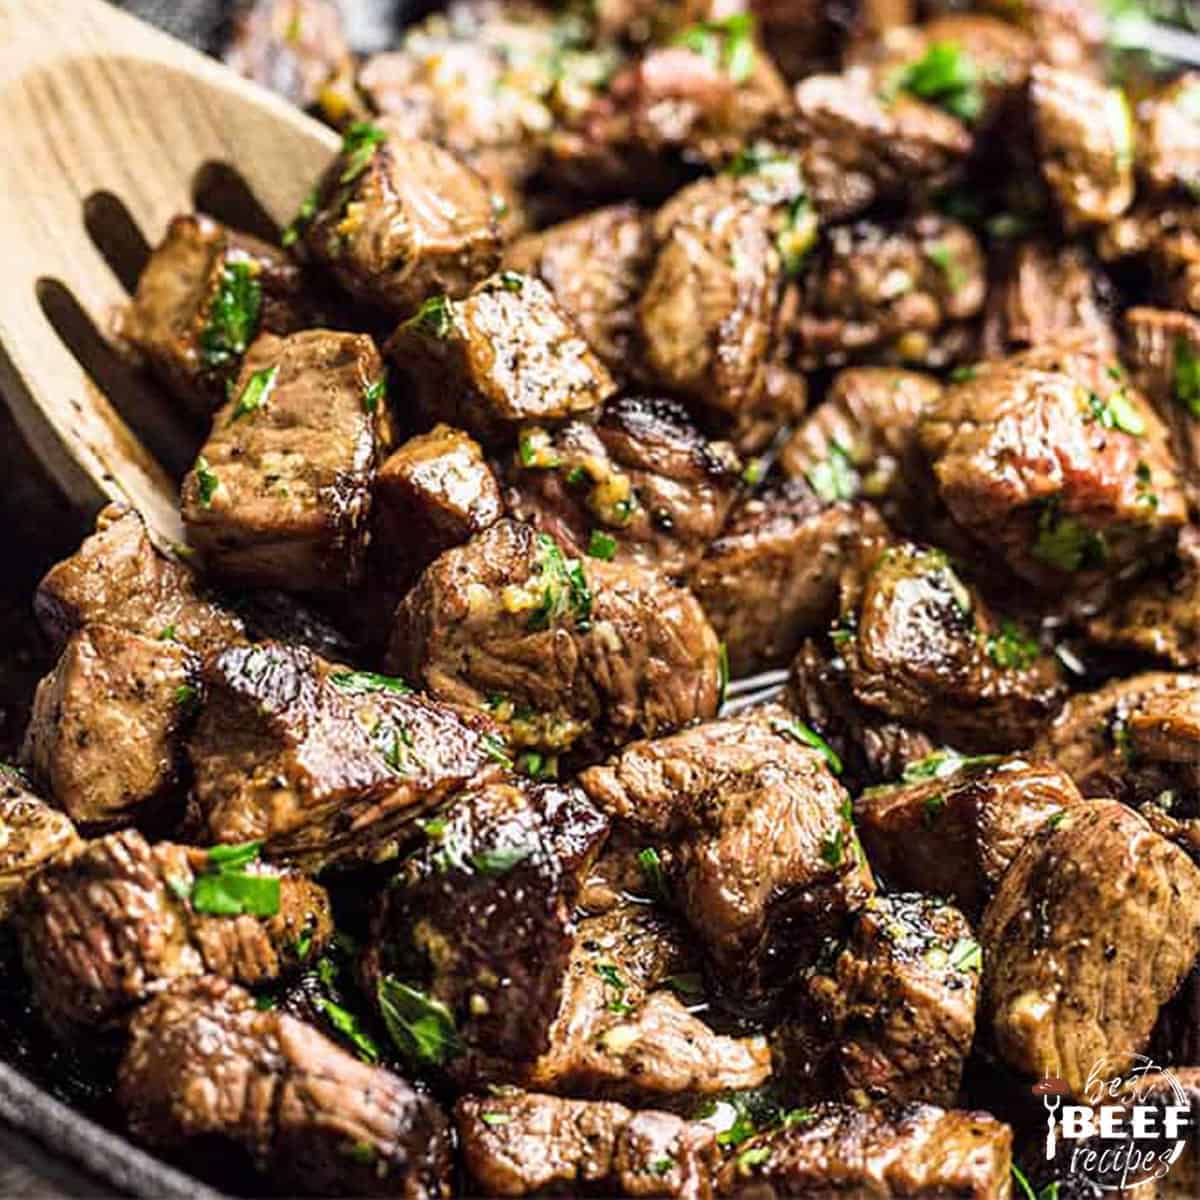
230	893
358	148
375	392
369	681
834	477
946	76
500	860
168	634
833	848
602	545
302	219
186	695
722	673
612	979
687	984
753	1157
230	856
254	394
662	1166
233	315
421	1028
496	748
941	764
1116	412
1011	648
1049	1192
798	236
206	482
799	732
934	806
495	1118
1187	377
344	1022
943	258
652	874
264	1002
362	1153
564	589
964	374
435	317
966	955
726	45
754	472
511	281
1065	543
535	765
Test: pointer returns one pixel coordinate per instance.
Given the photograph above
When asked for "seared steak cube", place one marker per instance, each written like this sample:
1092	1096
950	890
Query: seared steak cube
480	921
1066	33
432	493
398	219
858	147
862	442
708	799
1054	462
1168	137
1088	935
280	494
118	578
917	1150
893	290
321	763
624	1030
1164	238
34	834
107	928
899	1000
952	826
1045	292
1162	350
295	47
505	354
560	651
771	578
206	1068
641	484
204	295
1085	140
522	1143
596	266
106	730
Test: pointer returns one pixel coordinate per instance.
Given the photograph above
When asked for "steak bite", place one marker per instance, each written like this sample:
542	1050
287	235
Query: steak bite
771	578
32	835
1168	137
899	1001
900	291
1084	134
118	578
917	1150
917	645
624	1032
709	799
203	297
1162	350
857	147
479	922
105	735
952	826
321	763
642	484
1163	238
862	442
521	1143
505	354
1088	935
596	266
280	495
432	493
1054	462
294	47
205	1068
1045	292
560	651
398	219
105	929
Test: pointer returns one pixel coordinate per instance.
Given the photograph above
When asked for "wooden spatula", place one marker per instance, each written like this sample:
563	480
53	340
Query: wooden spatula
92	100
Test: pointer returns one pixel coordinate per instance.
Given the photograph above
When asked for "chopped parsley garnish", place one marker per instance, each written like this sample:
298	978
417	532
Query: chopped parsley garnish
302	219
233	317
942	257
535	449
375	391
687	984
224	889
265	1002
934	806
722	672
254	394
511	281
369	681
500	859
662	1166
833	848
535	765
801	733
422	1028
1120	123
564	589
652	873
186	695
206	482
941	764
495	1118
1065	543
358	148
435	317
754	472
1117	412
1187	377
612	979
1011	648
496	748
798	235
344	1022
726	45
834	478
602	545
966	955
752	1157
946	76
964	374
168	634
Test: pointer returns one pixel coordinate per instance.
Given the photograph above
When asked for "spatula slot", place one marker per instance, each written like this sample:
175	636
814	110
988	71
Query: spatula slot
221	192
117	237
